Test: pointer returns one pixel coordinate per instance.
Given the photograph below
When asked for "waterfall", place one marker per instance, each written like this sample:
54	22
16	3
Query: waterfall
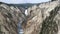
26	12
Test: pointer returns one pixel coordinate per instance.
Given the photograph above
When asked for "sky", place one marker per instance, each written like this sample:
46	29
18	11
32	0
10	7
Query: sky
23	1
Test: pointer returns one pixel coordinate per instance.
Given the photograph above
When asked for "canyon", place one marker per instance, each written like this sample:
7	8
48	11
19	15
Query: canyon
42	18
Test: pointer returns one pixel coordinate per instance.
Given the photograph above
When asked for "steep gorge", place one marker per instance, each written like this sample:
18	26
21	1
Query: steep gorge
43	18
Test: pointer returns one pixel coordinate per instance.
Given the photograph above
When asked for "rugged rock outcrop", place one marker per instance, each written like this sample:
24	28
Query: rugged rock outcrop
43	19
9	18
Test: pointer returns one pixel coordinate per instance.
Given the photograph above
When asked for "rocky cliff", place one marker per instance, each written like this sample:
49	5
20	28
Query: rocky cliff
42	18
10	16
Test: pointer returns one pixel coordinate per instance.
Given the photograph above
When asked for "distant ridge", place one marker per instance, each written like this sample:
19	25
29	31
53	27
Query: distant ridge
25	5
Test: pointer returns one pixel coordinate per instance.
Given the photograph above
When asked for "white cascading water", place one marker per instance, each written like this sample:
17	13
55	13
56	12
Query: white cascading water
26	12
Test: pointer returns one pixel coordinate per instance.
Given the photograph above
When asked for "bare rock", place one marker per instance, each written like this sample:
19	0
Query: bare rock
9	18
41	19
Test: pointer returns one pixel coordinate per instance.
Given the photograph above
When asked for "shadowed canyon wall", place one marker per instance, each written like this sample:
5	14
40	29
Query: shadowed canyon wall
9	18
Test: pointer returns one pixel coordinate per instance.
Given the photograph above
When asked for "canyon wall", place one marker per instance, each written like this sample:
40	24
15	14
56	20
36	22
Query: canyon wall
10	16
42	18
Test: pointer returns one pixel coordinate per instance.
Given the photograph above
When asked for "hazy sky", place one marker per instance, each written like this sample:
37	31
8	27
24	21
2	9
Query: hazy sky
23	1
